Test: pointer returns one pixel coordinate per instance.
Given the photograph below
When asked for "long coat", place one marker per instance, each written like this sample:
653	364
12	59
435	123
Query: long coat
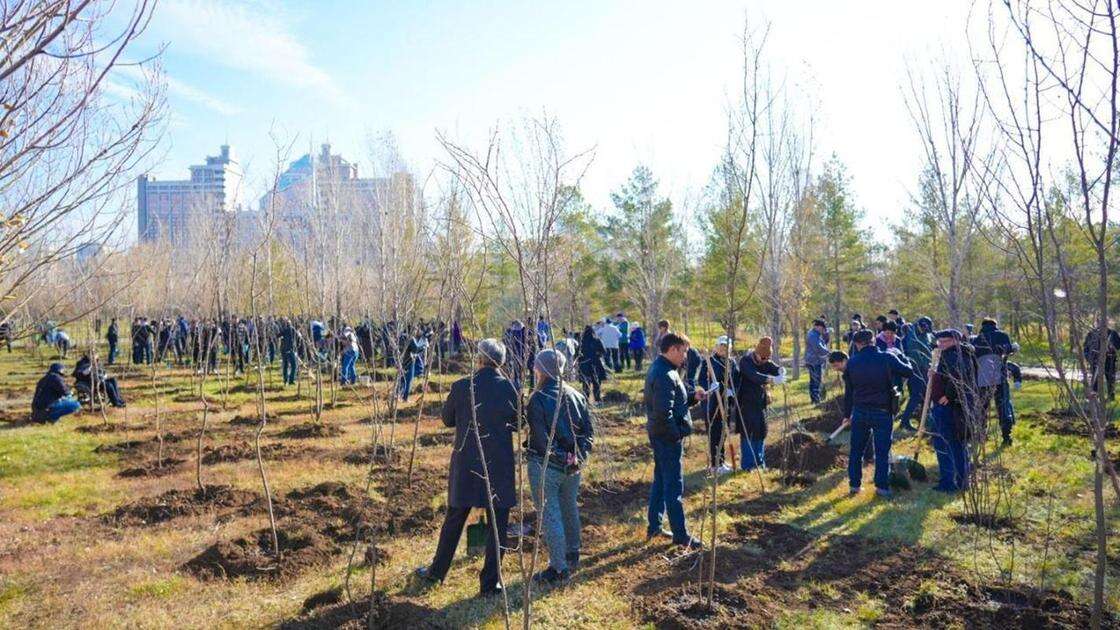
496	405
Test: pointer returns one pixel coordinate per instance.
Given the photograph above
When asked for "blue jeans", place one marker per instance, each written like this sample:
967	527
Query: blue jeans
868	421
112	352
560	514
752	453
349	376
406	381
815	373
952	454
289	365
916	386
62	407
667	490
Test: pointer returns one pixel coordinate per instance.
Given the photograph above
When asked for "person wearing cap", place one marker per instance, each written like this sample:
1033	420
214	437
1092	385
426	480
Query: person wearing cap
637	345
561	436
993	346
870	375
667	423
816	353
482	408
952	415
756	371
714	373
52	398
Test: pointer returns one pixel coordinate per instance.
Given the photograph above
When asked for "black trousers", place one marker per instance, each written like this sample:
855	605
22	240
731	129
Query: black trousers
452	530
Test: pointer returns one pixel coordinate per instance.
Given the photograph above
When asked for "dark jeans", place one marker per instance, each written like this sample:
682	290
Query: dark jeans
589	379
916	388
289	366
667	490
752	453
1001	393
715	438
952	453
868	422
452	530
613	361
1109	374
638	355
815	372
112	352
624	354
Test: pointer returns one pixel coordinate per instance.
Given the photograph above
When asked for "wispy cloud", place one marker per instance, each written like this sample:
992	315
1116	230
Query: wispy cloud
175	87
250	37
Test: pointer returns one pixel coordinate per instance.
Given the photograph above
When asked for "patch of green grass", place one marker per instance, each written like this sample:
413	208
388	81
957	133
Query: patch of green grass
156	589
33	450
12	591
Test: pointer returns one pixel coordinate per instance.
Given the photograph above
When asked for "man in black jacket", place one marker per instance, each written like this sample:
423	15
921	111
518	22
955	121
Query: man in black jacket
488	401
667	423
113	336
1092	352
756	371
52	397
869	402
993	347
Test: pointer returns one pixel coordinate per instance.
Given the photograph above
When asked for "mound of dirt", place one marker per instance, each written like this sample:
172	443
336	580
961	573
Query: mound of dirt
388	612
103	427
985	520
685	609
824	423
322	598
251	557
221	500
154	468
252	420
436	439
242	451
1067	422
362	456
128	446
310	430
802	452
14	417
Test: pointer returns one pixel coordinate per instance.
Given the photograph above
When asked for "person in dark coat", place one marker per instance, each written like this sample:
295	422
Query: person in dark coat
756	371
637	346
486	400
52	398
591	370
1091	350
715	374
84	374
561	436
868	404
953	393
667	423
815	355
113	336
993	346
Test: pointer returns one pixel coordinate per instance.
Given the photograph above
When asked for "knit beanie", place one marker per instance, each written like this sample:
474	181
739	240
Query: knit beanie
493	350
550	363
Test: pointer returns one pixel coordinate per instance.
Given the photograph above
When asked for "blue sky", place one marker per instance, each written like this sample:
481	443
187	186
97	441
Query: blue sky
642	82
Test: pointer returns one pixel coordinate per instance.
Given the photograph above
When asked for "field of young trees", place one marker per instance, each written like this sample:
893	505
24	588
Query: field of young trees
223	496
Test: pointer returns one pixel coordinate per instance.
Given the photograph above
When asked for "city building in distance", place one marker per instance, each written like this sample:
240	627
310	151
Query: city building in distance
171	210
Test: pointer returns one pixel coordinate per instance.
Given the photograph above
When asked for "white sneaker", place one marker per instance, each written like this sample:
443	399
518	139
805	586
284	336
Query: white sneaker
723	469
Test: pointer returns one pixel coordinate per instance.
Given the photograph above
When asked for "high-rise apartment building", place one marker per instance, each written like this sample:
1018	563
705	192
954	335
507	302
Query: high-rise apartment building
171	210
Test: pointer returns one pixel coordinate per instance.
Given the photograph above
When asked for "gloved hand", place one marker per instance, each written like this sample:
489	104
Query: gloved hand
1015	346
1018	385
778	380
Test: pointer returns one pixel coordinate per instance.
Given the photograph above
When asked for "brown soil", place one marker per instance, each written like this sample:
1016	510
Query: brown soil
220	500
250	557
781	559
1065	422
801	453
388	612
436	439
104	427
128	446
154	468
252	420
310	430
245	450
615	397
14	417
322	598
362	456
993	522
824	423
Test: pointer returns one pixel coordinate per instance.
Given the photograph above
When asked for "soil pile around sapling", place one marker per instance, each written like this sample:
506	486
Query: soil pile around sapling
103	427
154	468
802	453
687	609
251	557
615	397
388	612
252	420
436	439
362	456
128	446
1068	422
244	450
222	500
986	520
309	430
826	422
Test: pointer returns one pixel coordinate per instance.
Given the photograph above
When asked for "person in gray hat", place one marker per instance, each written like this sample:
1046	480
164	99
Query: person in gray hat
486	400
561	435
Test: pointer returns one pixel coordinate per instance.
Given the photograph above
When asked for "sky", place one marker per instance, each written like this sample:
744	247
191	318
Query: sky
641	82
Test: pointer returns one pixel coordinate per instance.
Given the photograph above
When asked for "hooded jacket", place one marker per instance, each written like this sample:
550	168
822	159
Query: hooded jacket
575	432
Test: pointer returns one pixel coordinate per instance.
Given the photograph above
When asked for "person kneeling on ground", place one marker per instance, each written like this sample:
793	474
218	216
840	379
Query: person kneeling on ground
83	375
870	378
52	397
756	371
559	442
486	400
667	424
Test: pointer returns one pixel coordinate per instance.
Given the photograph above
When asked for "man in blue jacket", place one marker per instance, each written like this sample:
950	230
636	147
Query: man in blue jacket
816	353
869	402
667	423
